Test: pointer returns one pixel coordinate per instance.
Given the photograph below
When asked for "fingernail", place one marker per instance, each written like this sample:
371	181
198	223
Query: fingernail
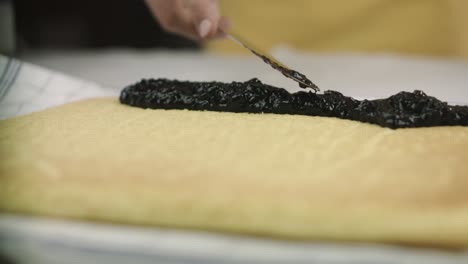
204	28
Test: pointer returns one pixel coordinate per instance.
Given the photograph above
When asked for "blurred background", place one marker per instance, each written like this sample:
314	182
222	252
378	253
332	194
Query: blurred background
410	27
52	24
71	50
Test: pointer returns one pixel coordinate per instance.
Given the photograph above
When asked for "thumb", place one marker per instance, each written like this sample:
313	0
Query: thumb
206	17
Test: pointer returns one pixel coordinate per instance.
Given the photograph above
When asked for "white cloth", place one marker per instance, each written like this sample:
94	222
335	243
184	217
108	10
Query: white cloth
26	88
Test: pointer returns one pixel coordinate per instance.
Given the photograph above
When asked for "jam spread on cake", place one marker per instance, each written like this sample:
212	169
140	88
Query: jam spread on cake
402	110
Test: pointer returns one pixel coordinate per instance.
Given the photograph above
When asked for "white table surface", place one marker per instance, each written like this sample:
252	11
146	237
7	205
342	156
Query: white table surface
354	75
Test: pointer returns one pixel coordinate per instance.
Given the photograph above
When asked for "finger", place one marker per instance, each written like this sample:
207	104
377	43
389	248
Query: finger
195	19
205	28
163	11
173	18
225	24
181	20
205	16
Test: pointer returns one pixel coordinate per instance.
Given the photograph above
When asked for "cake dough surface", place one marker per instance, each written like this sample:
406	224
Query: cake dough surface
294	177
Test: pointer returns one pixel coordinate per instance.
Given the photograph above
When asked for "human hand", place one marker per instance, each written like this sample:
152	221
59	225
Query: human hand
195	19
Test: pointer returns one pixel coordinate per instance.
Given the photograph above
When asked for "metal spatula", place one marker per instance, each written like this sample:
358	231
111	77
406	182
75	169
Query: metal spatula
275	64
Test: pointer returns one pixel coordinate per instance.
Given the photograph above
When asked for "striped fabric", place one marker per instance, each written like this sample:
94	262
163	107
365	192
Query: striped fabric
9	69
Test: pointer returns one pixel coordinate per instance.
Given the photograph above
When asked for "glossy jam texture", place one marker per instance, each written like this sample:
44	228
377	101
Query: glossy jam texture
402	110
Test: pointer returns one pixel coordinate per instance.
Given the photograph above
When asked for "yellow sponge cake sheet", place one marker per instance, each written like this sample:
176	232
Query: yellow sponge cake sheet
294	177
